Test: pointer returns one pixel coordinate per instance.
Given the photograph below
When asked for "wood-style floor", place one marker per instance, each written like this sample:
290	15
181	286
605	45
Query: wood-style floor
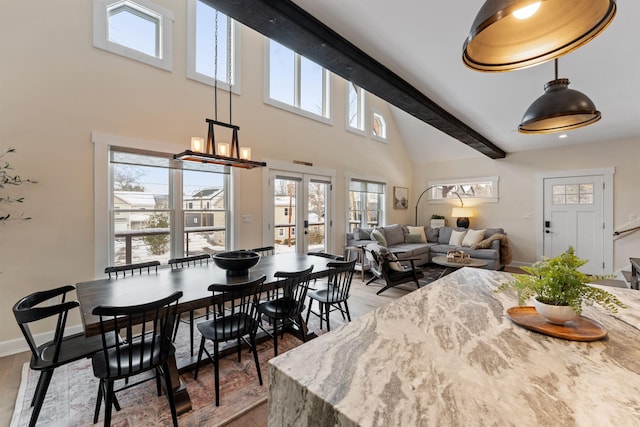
363	299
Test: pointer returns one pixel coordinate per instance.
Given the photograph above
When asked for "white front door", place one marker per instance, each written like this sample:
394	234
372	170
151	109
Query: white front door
574	216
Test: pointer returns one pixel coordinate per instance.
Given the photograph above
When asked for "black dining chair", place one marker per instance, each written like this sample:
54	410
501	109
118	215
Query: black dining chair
61	349
237	319
335	293
287	306
186	262
138	352
265	251
132	268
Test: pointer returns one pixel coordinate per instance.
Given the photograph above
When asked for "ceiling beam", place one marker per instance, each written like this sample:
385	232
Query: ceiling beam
289	25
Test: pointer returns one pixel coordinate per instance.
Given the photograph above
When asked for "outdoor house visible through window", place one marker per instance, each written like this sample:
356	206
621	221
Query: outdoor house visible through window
573	194
140	30
164	209
366	204
297	84
200	46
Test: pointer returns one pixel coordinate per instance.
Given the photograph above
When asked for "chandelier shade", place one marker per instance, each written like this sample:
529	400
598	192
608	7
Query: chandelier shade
559	109
508	35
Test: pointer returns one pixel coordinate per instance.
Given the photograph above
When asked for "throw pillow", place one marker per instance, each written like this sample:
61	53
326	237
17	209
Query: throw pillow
417	230
412	238
378	237
365	233
394	264
456	237
432	234
472	237
393	234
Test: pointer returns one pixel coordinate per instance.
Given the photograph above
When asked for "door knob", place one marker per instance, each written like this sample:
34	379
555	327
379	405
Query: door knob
547	231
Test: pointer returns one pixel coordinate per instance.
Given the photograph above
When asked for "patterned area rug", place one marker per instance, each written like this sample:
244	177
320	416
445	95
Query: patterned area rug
71	397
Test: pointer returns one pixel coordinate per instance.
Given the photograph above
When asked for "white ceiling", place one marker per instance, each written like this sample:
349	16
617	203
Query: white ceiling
421	41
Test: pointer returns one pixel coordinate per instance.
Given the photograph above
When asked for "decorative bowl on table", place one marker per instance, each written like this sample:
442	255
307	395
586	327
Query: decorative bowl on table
237	263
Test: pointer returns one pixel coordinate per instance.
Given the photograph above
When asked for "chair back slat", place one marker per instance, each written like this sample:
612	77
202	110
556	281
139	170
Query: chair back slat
326	255
238	314
139	351
189	261
292	290
132	268
340	277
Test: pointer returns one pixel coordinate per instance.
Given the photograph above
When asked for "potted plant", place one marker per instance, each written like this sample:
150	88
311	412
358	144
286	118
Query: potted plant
559	289
437	221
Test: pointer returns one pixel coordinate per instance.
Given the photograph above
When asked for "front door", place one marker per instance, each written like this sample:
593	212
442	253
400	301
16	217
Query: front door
574	216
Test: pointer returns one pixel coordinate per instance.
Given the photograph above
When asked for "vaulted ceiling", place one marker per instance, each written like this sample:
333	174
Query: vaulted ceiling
415	49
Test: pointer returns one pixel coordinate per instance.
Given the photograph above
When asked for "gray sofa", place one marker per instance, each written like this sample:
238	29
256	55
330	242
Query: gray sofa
437	244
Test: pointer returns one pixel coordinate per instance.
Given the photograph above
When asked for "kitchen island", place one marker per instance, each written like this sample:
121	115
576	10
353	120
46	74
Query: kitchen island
447	355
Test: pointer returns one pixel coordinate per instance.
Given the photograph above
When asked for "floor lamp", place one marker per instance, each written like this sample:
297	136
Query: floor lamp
429	188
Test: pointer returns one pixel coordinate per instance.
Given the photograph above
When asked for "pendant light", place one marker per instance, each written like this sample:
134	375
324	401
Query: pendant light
512	34
220	153
559	109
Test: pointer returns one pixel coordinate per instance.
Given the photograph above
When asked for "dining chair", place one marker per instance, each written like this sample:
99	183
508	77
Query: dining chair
61	349
265	251
327	256
185	262
132	268
237	319
137	352
335	294
288	304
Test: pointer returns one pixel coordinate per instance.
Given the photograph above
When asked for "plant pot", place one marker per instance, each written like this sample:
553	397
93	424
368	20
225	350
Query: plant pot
556	314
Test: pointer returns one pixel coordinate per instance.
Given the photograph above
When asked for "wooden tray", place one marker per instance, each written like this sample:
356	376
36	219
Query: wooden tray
579	329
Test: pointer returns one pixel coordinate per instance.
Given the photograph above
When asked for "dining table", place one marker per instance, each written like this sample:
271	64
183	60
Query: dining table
139	288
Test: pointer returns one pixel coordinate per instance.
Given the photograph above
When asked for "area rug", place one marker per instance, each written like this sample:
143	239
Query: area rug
71	397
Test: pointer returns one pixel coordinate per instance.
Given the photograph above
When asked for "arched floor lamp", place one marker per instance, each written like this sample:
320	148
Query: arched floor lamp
437	186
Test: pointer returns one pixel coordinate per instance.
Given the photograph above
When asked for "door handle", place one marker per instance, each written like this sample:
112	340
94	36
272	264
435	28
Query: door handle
547	231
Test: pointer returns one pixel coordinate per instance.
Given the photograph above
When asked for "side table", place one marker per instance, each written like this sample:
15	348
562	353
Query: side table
362	265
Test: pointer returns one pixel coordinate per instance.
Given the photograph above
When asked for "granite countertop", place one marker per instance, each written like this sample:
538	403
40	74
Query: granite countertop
448	355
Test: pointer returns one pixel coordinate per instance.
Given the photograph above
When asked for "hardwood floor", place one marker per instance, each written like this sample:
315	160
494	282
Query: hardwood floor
363	299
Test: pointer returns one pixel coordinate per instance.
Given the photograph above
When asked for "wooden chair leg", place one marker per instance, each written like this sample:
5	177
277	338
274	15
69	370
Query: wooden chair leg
216	370
327	309
252	340
108	403
195	374
346	307
43	385
169	386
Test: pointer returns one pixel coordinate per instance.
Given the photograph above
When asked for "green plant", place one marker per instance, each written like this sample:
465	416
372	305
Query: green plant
436	216
158	244
557	281
8	178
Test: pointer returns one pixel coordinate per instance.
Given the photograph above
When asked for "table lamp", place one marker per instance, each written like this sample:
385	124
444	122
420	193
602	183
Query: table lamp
463	215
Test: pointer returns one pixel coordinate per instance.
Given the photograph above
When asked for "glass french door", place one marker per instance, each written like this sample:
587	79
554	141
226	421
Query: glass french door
300	212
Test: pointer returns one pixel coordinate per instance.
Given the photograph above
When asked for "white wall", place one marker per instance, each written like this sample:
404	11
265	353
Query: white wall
57	88
517	174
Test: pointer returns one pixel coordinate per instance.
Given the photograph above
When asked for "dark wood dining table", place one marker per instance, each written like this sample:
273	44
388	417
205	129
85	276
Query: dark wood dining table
193	282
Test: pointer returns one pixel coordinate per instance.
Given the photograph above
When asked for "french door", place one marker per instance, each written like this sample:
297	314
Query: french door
300	207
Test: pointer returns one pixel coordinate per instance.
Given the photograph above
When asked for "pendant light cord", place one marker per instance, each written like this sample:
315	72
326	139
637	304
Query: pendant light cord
215	69
229	65
556	65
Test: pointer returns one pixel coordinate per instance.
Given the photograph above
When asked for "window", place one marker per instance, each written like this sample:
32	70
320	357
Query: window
296	84
355	108
573	194
139	30
366	204
484	189
201	37
378	126
146	224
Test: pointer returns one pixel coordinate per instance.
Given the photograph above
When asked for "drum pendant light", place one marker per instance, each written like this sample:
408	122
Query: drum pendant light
559	109
512	34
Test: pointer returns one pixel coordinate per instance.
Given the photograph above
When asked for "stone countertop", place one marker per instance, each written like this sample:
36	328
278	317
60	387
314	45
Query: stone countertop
448	355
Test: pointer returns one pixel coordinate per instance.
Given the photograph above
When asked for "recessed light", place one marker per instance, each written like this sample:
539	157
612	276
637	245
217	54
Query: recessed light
564	135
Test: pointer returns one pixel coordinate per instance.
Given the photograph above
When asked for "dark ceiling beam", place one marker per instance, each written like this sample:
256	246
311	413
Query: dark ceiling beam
289	25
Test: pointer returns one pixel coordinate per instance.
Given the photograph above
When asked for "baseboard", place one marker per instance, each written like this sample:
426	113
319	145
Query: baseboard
517	264
19	345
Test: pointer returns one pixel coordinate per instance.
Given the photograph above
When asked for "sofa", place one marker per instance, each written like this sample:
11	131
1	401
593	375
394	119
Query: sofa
403	241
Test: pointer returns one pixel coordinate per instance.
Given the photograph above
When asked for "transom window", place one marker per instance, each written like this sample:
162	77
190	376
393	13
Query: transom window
485	189
573	194
355	107
378	126
201	36
140	30
297	84
366	204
